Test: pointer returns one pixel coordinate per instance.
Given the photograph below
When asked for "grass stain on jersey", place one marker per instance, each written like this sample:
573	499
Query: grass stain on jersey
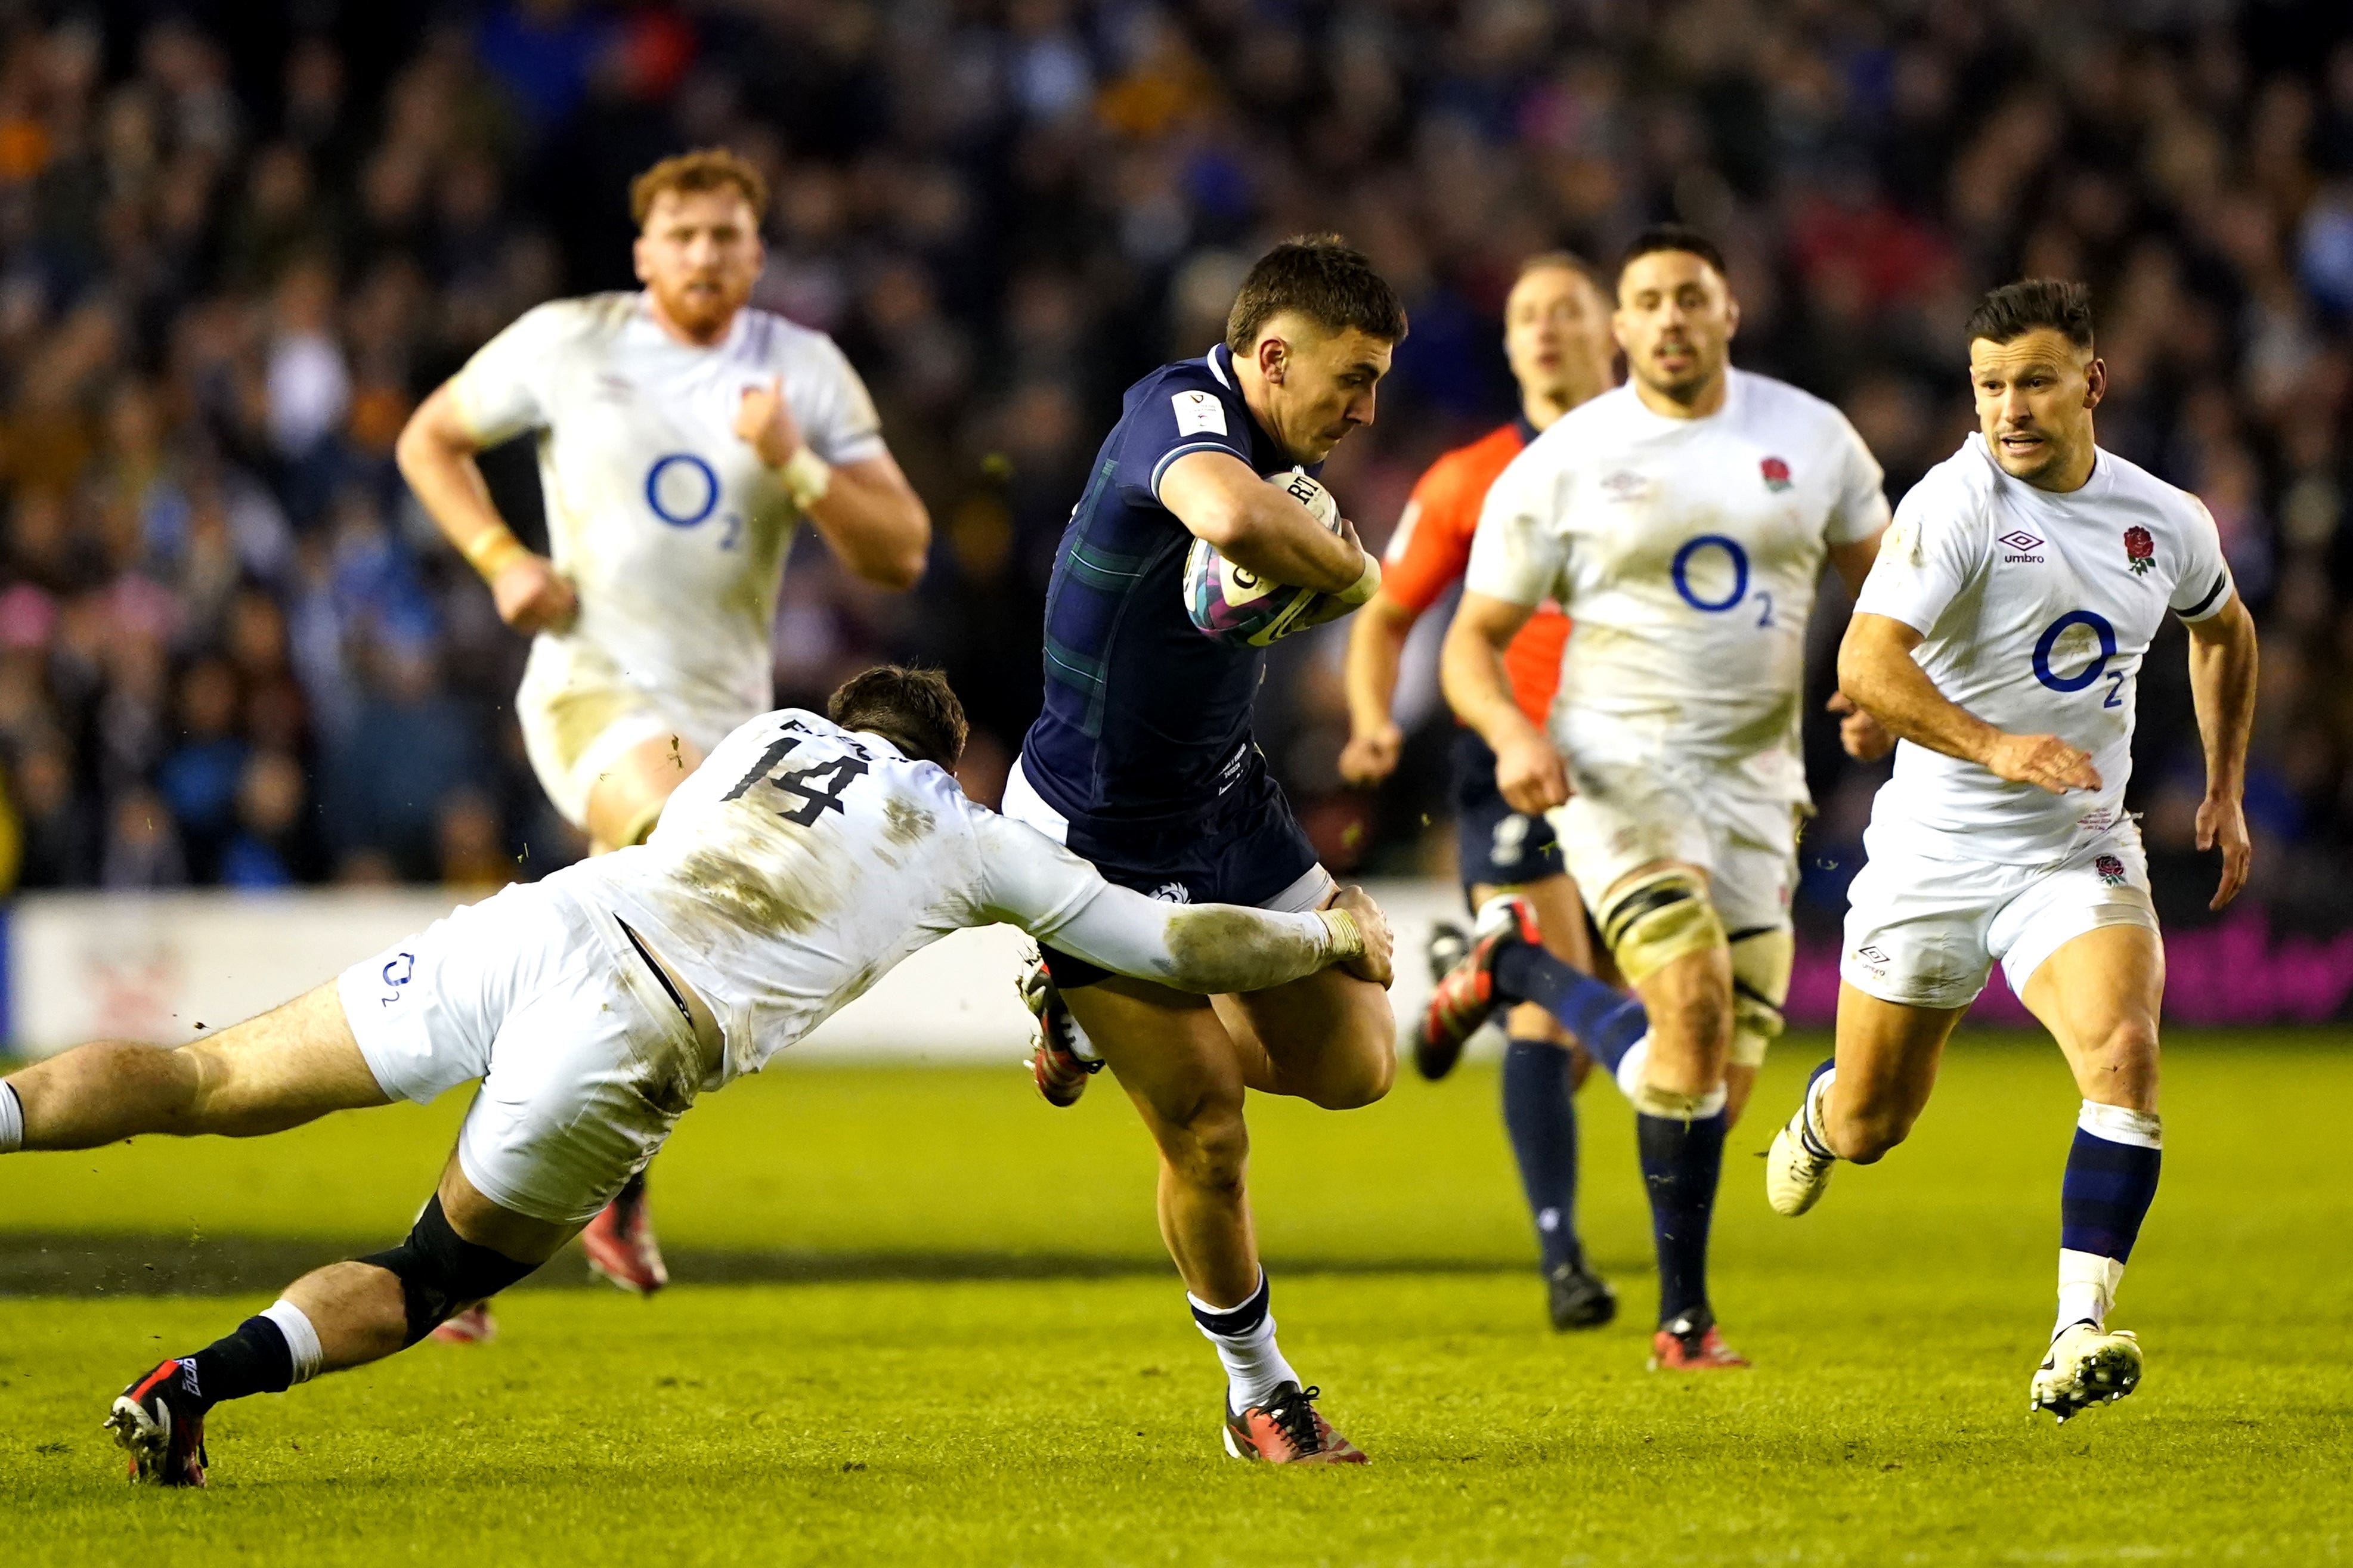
789	901
904	823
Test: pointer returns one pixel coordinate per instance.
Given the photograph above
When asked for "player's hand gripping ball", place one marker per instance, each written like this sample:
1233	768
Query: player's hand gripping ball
1232	602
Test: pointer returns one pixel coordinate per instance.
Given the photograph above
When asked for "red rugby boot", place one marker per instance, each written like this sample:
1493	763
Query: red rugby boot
1465	994
474	1326
1288	1429
1060	1071
1691	1344
162	1427
620	1243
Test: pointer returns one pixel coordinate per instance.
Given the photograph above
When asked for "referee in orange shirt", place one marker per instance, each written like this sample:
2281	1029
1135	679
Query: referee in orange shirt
1557	336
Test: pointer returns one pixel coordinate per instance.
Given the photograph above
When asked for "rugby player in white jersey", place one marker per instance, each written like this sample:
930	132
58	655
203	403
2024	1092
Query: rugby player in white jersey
681	437
808	857
2000	637
1681	521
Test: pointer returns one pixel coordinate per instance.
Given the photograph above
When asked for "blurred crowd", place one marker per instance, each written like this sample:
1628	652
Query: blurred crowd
235	250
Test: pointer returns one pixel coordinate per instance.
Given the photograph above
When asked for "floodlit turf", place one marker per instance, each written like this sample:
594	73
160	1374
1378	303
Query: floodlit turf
1073	1420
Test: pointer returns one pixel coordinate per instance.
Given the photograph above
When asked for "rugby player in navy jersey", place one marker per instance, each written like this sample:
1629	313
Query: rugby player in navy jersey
1143	762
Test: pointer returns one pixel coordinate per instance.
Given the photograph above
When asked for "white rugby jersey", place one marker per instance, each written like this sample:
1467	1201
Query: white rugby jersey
671	530
2035	610
1686	552
801	862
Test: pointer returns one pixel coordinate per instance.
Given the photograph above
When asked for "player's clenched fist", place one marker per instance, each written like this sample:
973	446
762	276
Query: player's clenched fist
1371	755
1863	737
764	422
1380	945
2044	761
532	596
1530	775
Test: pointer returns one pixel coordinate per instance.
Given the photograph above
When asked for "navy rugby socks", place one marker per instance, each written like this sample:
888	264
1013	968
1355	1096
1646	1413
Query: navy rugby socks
1682	1161
1605	1020
268	1353
1541	1118
2111	1179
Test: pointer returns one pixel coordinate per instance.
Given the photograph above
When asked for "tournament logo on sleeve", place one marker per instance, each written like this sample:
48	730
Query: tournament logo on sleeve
2139	549
1198	414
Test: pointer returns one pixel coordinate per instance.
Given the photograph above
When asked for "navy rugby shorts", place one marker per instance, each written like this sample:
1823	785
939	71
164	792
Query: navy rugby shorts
1246	848
1494	844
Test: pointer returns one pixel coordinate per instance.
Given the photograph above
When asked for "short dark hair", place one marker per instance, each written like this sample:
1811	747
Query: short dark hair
1323	278
1680	237
2014	310
914	710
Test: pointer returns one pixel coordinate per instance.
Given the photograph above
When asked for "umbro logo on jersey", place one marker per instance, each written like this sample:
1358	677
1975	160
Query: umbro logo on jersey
1173	893
1626	486
2020	543
1775	472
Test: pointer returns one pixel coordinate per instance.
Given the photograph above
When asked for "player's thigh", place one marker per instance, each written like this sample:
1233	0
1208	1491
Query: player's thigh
625	799
478	1219
1328	1037
589	1072
293	1063
2099	994
1173	1058
1887	1054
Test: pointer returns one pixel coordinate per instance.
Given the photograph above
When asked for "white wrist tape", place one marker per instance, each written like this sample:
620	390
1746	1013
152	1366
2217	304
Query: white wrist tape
807	476
1367	582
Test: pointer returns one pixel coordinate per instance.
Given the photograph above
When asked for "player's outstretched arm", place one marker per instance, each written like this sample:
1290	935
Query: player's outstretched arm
1259	527
1376	647
1528	771
2222	660
1030	881
1876	668
436	454
866	512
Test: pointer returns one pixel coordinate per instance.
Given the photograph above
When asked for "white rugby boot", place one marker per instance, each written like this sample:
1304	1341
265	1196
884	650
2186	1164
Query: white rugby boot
2086	1365
1798	1167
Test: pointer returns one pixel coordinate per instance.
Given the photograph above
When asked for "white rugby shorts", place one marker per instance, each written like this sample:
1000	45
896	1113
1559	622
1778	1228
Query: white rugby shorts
579	713
1926	923
1622	816
586	1062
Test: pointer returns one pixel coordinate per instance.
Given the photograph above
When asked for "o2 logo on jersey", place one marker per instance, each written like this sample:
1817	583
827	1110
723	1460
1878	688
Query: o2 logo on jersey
2081	631
1691	551
684	491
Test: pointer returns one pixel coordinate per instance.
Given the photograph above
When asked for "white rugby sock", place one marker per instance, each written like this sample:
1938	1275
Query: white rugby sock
1632	1066
2087	1289
11	1121
302	1338
1244	1338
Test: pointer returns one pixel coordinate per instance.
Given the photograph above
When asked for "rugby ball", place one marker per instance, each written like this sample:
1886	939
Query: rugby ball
1233	603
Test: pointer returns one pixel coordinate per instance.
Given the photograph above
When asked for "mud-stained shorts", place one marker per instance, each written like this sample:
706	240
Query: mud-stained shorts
579	713
584	1060
1624	816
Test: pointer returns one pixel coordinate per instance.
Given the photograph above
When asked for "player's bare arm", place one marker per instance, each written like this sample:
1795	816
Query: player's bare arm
1376	647
1259	527
867	513
1528	771
2223	661
1863	737
1876	669
435	453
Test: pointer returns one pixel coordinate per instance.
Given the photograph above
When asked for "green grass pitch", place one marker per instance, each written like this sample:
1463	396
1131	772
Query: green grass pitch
1043	1398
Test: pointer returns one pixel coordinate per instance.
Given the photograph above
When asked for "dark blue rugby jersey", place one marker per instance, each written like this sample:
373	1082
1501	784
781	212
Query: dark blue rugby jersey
1145	717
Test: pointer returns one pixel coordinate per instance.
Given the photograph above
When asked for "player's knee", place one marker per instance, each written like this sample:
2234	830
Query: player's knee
1761	962
1863	1136
1654	919
441	1273
2120	1067
1354	1078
